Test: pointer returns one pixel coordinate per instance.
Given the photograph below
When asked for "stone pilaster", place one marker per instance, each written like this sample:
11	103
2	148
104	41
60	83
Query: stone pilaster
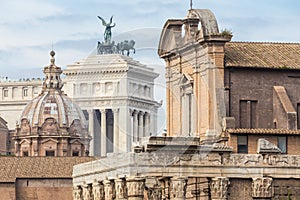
121	190
135	126
109	190
262	188
178	188
219	188
98	191
135	187
77	193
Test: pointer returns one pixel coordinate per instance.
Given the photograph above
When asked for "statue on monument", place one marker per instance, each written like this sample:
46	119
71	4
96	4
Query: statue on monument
107	32
110	47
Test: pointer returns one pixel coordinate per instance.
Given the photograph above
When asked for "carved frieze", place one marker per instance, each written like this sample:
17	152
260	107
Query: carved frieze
135	187
178	188
262	187
219	188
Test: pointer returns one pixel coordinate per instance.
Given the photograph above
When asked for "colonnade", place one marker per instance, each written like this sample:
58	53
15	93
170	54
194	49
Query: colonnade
173	188
118	130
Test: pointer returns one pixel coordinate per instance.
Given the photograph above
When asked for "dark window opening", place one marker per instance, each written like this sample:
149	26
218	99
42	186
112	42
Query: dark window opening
282	143
25	153
50	153
242	144
75	153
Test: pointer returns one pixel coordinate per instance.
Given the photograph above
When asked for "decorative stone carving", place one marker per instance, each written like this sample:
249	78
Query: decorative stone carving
154	188
50	127
77	193
262	187
121	190
98	191
108	190
87	192
136	187
219	188
264	146
178	188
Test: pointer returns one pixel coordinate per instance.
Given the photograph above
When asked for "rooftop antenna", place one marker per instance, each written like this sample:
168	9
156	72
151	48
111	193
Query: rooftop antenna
191	4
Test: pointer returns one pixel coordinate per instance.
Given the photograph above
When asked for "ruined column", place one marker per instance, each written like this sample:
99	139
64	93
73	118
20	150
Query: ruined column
178	188
121	190
135	188
103	132
219	188
98	191
108	190
87	192
77	193
262	188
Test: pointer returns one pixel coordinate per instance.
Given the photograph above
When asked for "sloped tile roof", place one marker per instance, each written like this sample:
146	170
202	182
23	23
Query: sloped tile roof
263	131
38	167
262	55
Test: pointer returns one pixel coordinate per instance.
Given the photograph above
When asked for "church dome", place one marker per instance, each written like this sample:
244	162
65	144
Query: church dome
54	118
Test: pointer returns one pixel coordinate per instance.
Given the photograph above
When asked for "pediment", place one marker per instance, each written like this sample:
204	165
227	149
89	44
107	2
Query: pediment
76	141
186	80
24	141
49	140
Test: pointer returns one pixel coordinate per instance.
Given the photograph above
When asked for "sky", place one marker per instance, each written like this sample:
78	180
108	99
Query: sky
30	29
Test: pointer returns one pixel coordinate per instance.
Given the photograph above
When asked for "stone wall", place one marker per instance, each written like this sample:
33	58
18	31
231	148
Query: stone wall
7	191
46	189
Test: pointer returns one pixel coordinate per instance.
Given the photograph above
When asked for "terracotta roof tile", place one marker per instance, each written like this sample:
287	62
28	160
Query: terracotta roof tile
38	167
262	55
263	131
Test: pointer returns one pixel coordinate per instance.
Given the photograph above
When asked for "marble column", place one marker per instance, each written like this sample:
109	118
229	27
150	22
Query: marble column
103	132
219	188
262	188
77	193
116	130
91	131
178	188
141	126
130	131
135	126
108	190
135	188
147	124
121	190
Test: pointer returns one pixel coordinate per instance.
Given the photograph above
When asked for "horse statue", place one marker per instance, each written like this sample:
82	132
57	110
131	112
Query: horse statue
126	46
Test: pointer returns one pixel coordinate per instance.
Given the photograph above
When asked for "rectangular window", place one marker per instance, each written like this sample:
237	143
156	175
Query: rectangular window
5	92
282	143
75	153
242	144
50	153
25	92
25	153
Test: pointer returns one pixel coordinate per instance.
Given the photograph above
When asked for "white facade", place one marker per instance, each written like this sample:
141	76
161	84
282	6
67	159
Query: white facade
111	87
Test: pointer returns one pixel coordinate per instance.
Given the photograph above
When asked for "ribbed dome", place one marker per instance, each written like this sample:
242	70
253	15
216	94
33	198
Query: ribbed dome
52	124
53	103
